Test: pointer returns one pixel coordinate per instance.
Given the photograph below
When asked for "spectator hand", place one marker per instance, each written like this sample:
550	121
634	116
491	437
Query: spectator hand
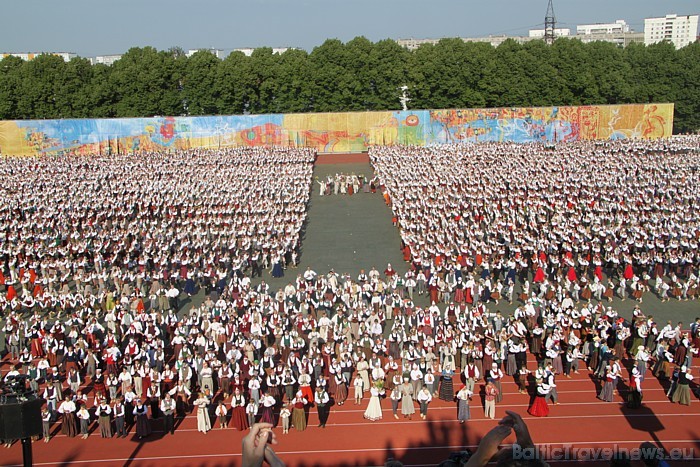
256	444
488	447
515	421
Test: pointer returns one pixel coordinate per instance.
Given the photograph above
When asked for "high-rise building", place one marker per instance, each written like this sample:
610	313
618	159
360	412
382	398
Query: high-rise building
680	30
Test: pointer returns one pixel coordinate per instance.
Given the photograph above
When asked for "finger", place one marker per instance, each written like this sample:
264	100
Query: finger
262	436
255	429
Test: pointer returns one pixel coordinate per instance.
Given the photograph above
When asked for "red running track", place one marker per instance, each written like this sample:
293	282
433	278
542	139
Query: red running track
580	421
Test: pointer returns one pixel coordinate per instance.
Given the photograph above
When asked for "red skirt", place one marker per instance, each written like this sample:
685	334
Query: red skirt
37	349
239	419
539	276
539	407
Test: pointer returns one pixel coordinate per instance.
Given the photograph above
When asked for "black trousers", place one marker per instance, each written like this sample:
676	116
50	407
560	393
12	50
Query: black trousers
323	413
168	423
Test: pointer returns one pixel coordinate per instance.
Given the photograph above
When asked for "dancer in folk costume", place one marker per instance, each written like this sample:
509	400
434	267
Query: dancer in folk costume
406	390
143	425
634	395
463	397
238	411
298	413
539	407
374	408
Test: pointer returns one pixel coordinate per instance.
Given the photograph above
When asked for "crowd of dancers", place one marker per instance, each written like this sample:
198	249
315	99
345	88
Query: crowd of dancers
345	184
100	254
625	208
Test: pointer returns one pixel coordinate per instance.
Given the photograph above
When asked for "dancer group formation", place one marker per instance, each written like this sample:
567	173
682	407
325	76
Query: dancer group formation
101	257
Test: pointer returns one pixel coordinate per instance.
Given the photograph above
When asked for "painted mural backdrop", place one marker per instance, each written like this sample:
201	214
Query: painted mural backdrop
337	132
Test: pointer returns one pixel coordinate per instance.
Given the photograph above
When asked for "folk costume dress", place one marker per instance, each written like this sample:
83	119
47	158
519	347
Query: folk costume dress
298	412
539	407
374	408
607	393
203	420
682	392
634	396
463	396
407	408
238	415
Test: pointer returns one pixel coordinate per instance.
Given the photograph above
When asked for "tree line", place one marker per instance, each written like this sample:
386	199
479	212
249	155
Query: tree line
355	76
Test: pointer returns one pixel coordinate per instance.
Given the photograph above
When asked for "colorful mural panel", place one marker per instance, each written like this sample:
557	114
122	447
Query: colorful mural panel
337	132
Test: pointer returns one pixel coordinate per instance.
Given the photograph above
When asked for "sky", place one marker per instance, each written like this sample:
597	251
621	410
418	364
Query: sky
100	27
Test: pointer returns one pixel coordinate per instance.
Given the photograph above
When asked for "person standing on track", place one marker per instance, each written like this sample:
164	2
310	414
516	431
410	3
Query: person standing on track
424	397
495	376
322	401
167	408
490	400
374	408
407	408
298	413
634	394
143	425
395	398
463	397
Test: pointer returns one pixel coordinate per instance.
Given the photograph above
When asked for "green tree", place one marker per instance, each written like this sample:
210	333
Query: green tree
262	80
387	72
147	83
504	82
102	92
333	85
229	87
448	74
571	60
654	72
10	86
37	90
540	78
199	83
611	72
293	88
687	79
72	89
